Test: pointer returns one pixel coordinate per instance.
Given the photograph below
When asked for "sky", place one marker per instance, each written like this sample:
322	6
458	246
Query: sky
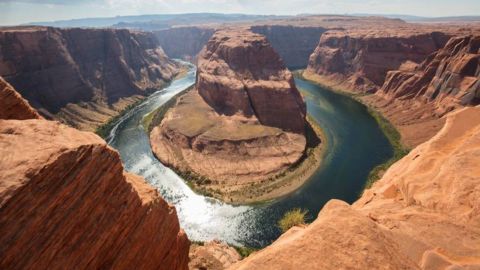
23	11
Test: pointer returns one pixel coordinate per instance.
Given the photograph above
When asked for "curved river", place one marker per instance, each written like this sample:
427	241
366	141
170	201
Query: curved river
355	145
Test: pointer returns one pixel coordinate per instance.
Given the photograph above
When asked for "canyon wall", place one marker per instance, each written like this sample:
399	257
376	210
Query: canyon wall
184	42
358	60
294	44
82	76
415	100
423	214
66	202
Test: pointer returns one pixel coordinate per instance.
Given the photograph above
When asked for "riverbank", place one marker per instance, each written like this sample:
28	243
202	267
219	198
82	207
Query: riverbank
388	128
261	191
104	129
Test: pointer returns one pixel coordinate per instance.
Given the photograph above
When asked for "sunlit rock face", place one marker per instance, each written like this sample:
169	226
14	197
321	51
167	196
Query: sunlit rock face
67	203
422	214
82	77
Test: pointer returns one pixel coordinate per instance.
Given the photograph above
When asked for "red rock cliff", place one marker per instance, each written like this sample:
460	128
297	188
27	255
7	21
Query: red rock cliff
423	214
359	60
449	78
12	105
65	202
239	72
82	76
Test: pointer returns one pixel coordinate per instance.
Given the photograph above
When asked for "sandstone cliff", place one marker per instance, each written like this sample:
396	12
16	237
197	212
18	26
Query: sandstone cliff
358	60
12	105
65	202
243	123
423	214
82	76
415	99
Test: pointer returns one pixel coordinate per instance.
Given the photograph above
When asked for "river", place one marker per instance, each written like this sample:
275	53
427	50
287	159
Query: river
356	144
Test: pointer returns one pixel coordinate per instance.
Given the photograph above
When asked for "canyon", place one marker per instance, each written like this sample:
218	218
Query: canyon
82	77
225	129
66	201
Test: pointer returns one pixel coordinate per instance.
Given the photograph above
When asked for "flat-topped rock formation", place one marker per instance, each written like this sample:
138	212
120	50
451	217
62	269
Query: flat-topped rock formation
82	77
66	202
416	99
423	214
244	122
13	106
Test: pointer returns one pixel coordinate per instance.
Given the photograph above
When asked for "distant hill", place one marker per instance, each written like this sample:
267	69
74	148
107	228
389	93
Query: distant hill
411	18
156	22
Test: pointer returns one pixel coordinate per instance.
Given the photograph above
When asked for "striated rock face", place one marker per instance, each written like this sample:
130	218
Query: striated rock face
65	202
243	123
294	44
359	60
82	76
239	72
12	105
423	214
184	42
450	78
213	255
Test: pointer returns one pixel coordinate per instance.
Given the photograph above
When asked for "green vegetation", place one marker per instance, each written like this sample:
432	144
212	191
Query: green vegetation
394	138
104	130
292	218
245	251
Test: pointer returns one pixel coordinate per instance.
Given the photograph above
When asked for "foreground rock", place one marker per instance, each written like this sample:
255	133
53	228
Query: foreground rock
65	201
242	125
423	214
12	105
213	255
82	77
415	100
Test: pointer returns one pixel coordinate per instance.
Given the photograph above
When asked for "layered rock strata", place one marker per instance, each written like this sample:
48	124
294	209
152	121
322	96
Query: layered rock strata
423	214
415	100
82	77
66	202
242	124
12	105
358	60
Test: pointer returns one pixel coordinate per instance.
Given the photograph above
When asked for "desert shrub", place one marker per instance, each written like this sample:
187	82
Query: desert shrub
292	218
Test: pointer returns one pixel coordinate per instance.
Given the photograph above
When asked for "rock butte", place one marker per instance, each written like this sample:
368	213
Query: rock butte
65	202
243	123
423	214
82	77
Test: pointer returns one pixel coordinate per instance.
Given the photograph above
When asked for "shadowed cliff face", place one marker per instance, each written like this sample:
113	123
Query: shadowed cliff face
359	60
294	44
65	202
91	73
423	214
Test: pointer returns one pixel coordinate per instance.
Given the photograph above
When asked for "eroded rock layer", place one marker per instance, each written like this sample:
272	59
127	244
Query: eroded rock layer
12	105
359	60
65	202
82	76
415	100
243	123
423	214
